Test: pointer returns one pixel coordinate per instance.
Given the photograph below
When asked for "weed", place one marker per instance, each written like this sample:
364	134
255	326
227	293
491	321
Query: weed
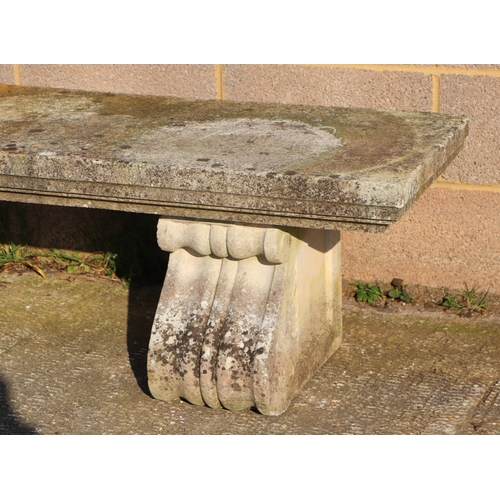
397	292
19	255
15	255
451	303
367	293
74	263
471	300
370	293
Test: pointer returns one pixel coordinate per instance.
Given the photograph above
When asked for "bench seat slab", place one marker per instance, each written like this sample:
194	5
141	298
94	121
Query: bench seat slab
250	163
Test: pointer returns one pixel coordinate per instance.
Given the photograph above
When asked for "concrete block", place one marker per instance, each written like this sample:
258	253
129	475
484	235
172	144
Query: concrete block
479	98
328	86
448	238
7	74
181	80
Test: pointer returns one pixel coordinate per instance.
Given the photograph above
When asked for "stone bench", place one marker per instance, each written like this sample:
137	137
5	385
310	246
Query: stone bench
252	199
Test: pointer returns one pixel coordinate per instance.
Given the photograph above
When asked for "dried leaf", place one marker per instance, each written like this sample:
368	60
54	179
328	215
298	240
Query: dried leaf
36	269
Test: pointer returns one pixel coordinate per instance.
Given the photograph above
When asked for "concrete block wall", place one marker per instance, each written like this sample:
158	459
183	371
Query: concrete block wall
452	234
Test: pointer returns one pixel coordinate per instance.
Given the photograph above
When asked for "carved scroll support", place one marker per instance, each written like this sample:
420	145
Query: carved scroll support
247	314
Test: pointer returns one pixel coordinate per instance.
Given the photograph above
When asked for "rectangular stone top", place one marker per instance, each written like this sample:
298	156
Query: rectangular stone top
272	164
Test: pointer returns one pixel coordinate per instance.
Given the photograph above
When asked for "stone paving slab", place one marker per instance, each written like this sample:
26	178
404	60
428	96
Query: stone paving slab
73	361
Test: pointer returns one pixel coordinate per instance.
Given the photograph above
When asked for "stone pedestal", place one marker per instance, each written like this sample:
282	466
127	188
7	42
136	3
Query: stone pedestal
247	314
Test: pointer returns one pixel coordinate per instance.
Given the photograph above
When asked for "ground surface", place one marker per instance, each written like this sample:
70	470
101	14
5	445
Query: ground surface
73	354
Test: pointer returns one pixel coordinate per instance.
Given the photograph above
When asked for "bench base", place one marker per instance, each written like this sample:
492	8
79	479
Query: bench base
247	314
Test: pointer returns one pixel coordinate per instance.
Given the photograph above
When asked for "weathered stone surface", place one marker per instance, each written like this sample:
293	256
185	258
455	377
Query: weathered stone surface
340	168
247	315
